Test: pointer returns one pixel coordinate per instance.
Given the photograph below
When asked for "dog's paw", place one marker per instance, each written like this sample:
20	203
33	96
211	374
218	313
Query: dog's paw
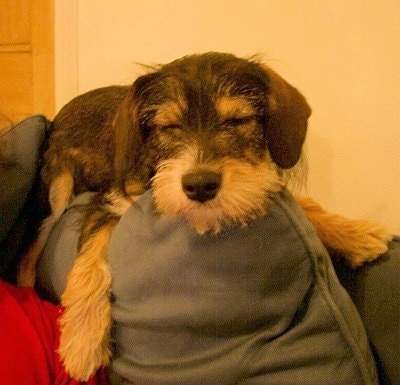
364	242
85	323
357	241
79	353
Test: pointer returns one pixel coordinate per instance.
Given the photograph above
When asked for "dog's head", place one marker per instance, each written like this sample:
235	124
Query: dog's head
203	130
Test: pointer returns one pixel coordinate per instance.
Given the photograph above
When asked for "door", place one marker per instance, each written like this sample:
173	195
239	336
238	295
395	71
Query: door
26	59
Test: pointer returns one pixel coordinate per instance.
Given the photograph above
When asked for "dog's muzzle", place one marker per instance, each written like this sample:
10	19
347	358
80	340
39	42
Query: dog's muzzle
201	186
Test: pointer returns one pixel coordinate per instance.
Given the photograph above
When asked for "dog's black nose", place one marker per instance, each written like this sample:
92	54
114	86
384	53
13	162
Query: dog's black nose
201	186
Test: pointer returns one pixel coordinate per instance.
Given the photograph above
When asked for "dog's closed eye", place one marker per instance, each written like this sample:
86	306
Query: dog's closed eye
238	121
235	111
170	126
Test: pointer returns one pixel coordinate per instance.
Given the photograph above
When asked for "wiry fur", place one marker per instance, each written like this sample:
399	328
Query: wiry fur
358	241
211	135
242	195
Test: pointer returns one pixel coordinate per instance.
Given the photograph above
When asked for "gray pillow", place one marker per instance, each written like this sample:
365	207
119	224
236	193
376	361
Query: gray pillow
20	151
260	305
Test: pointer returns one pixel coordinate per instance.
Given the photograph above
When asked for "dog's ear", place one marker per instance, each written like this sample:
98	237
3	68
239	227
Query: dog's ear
287	123
129	140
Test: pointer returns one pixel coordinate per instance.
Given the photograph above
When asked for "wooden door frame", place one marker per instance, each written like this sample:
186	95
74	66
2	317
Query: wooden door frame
66	18
42	21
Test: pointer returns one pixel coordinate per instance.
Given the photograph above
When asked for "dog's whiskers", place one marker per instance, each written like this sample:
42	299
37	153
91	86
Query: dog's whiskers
243	195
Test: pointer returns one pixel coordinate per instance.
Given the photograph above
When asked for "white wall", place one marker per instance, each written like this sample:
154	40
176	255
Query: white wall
344	55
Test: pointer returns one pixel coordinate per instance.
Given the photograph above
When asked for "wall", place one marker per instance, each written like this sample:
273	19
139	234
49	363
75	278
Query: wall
343	55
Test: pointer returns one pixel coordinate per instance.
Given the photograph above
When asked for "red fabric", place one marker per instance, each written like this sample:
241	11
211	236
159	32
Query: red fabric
29	337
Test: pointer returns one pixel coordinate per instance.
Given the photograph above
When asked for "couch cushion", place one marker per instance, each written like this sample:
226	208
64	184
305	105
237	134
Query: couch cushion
260	305
250	306
378	300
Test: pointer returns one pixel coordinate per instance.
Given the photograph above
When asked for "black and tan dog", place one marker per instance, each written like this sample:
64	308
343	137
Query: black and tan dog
212	135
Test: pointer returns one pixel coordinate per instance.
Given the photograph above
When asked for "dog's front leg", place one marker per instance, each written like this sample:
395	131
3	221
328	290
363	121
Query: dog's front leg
358	241
86	320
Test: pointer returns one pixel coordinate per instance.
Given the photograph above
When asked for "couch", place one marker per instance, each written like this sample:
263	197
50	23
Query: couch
374	289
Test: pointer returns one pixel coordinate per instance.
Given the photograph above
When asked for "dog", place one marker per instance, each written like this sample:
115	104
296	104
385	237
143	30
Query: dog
213	136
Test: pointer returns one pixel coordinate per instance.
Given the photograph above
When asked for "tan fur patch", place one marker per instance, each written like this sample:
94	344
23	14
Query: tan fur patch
358	241
119	203
169	113
229	107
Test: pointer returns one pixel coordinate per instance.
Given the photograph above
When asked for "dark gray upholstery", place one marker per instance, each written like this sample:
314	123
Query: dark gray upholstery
20	151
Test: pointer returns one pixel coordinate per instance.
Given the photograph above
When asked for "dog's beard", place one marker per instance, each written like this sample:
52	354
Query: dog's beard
242	197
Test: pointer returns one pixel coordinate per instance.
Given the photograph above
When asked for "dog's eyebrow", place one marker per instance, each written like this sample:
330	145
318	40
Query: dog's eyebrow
233	107
169	113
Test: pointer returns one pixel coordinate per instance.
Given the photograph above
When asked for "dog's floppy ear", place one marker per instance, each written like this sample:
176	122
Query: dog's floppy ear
287	123
129	141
